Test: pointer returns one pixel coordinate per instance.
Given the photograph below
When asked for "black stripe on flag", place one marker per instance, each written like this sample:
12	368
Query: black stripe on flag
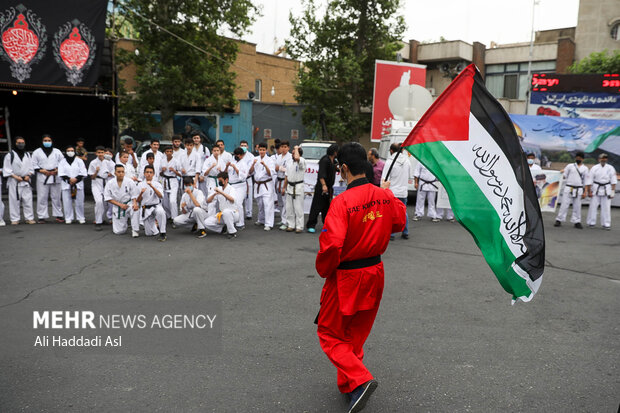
497	123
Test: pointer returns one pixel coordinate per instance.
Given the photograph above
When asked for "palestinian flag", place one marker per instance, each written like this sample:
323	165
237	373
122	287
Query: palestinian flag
467	140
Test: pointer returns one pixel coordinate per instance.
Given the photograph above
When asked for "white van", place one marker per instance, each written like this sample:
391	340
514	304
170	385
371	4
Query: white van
398	134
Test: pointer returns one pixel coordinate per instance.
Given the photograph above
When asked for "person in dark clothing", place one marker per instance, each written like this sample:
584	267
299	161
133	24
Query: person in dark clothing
324	188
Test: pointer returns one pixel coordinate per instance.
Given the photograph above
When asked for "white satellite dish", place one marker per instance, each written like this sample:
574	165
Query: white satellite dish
409	102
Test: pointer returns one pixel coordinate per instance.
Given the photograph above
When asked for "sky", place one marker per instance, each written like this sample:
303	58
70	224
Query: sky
501	21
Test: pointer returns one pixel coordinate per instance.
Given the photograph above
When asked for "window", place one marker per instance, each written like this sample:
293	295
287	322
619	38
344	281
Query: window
258	90
510	86
615	31
494	69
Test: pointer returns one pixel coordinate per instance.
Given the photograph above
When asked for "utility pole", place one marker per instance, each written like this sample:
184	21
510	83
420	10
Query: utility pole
529	63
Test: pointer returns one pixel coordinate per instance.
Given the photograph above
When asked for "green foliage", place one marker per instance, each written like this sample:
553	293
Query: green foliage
590	161
566	157
598	62
339	50
171	74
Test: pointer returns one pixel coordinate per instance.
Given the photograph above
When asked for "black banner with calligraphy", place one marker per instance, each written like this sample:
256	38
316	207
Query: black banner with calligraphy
51	43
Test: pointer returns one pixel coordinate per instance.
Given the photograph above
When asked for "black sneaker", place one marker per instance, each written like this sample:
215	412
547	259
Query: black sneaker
557	223
195	227
232	235
202	233
404	236
360	396
98	227
162	237
578	225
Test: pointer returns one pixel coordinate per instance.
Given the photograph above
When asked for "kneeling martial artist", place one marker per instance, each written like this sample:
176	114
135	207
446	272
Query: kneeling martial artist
119	193
228	210
356	232
148	196
193	207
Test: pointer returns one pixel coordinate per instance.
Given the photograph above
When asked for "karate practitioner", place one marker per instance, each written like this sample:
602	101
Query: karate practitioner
280	160
399	180
249	159
130	171
601	183
201	149
574	175
208	174
119	192
427	190
159	156
226	156
45	161
148	196
128	147
193	208
293	189
19	170
237	174
100	171
263	167
355	234
228	211
168	177
150	160
72	172
177	150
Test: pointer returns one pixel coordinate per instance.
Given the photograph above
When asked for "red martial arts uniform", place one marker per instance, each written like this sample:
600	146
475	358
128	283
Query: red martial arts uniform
356	232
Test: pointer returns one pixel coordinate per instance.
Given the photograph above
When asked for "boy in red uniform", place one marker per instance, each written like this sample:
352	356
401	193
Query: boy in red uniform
356	232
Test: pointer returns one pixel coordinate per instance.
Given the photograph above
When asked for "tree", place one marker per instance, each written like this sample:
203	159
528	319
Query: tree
339	51
172	74
598	62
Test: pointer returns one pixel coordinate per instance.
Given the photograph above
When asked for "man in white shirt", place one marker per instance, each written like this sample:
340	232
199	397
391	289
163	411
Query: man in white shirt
18	169
228	211
237	175
100	171
249	159
226	156
264	168
45	161
574	175
193	207
119	193
159	156
280	160
399	179
147	200
177	150
427	191
601	184
294	187
168	178
200	148
534	167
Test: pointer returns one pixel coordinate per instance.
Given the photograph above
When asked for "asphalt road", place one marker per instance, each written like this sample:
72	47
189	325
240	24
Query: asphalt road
446	337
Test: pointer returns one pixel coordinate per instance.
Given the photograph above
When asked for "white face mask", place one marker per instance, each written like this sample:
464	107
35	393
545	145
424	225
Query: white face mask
108	157
70	154
530	162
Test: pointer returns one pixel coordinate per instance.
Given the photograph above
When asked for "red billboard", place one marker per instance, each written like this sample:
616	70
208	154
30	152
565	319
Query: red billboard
389	78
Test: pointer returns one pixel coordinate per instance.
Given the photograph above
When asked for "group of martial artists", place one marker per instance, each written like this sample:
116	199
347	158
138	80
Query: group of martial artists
185	185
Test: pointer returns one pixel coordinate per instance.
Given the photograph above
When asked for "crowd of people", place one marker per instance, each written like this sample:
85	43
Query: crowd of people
187	185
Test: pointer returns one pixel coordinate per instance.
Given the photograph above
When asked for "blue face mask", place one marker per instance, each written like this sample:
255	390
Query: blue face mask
244	149
530	162
47	144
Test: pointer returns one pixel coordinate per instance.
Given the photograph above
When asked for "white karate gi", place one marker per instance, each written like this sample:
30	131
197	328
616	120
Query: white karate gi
132	156
106	172
47	186
159	158
247	202
264	191
66	170
19	192
281	161
216	166
238	180
123	194
193	214
229	212
171	186
150	208
601	178
295	174
575	181
426	191
178	153
130	171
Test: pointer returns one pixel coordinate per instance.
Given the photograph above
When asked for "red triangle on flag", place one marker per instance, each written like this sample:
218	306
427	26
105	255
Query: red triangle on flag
448	117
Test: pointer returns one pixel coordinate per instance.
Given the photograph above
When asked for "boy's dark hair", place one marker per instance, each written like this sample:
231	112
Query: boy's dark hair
223	175
300	150
189	141
46	135
219	140
176	137
128	141
155	140
238	151
196	133
580	154
118	165
244	141
18	138
109	150
285	143
277	145
150	155
79	140
262	145
188	180
395	147
151	167
99	148
333	149
70	146
122	152
167	147
353	155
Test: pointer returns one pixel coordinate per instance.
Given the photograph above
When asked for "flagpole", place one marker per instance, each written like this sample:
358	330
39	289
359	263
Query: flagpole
387	176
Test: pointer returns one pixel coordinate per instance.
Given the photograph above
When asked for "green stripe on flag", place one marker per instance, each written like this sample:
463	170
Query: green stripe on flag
598	141
473	210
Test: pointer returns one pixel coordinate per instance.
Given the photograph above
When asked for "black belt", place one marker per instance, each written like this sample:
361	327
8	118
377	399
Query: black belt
294	184
145	207
573	186
236	183
361	263
429	182
601	184
167	180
